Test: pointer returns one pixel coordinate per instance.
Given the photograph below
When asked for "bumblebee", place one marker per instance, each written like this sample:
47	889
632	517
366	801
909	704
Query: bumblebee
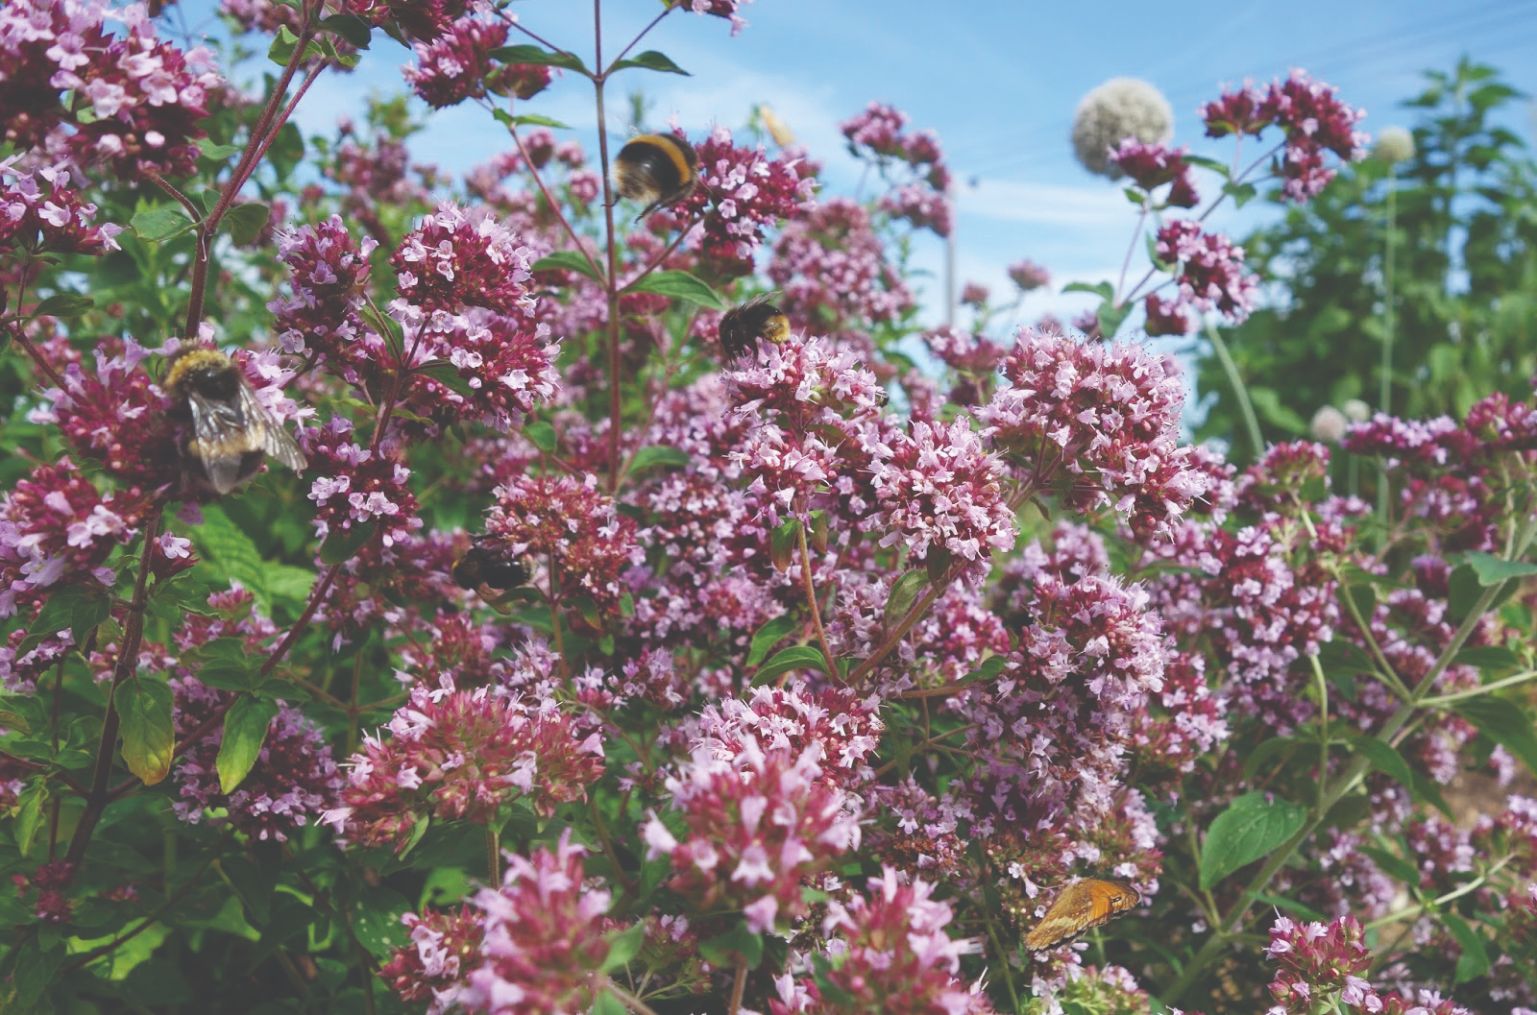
485	564
231	432
658	169
758	320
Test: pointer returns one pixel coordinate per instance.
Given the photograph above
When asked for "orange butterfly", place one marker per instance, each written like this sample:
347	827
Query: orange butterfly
1082	905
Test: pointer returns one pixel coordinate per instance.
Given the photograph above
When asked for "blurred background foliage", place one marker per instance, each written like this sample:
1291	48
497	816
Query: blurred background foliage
1464	278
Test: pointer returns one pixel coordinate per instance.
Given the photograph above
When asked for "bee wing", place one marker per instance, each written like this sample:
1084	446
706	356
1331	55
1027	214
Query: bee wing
267	433
221	435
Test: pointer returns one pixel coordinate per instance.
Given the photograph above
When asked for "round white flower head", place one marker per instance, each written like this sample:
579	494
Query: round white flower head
1120	108
1395	144
1328	425
1356	410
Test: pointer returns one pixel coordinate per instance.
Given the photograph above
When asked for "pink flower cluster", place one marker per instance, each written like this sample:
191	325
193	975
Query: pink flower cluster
358	488
571	527
56	527
1325	964
889	951
938	491
460	755
1097	424
1209	273
832	268
1029	276
920	206
742	193
134	104
880	132
294	777
756	824
456	259
51	218
328	275
1152	165
534	943
457	65
1312	117
117	416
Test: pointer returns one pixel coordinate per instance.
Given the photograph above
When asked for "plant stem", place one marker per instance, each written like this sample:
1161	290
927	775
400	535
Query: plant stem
1385	381
272	117
610	281
493	852
631	1002
897	634
1240	390
127	662
1479	691
811	603
738	987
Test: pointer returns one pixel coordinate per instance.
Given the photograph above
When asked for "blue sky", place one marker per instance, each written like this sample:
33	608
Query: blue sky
997	80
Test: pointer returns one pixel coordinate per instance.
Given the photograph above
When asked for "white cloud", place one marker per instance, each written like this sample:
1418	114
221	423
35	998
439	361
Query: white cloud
1094	205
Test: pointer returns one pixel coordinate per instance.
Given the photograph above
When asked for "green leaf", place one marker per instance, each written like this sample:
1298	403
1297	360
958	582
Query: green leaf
354	29
542	435
1474	960
1487	657
64	305
986	670
210	149
724	949
654	455
904	593
1110	317
1504	722
1492	570
1241	193
288	583
1251	828
1462	591
148	736
160	222
29	814
283	45
246	221
341	547
678	285
225	544
1104	290
650	60
1385	758
783	542
796	657
73	608
769	635
1217	167
1393	864
1269	406
245	730
1282	902
1263	753
607	1003
624	946
376	920
224	663
536	120
568	260
1340	656
539	55
448	375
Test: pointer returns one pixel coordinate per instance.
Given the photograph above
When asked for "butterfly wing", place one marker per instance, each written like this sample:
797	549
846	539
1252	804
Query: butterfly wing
1081	906
267	433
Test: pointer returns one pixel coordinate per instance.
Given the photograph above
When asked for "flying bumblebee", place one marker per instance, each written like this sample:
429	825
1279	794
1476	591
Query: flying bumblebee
489	567
658	169
758	320
231	432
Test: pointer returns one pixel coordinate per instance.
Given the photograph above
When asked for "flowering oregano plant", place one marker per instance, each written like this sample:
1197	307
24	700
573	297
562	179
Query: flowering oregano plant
593	654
